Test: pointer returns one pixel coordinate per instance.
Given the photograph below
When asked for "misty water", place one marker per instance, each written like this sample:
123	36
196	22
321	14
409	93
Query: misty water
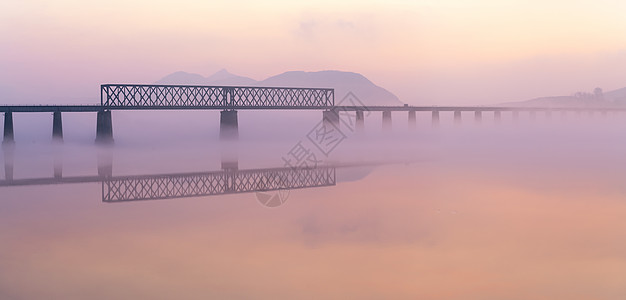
526	209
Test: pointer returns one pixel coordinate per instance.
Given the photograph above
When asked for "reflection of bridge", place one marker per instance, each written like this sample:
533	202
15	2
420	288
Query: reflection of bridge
170	186
131	188
230	99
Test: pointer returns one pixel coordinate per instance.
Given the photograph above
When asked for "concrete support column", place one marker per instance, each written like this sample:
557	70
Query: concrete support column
331	117
8	128
230	156
548	114
457	117
412	119
105	170
58	169
532	115
478	116
386	120
497	117
229	125
360	121
57	126
8	150
230	165
104	127
105	162
58	161
515	115
435	118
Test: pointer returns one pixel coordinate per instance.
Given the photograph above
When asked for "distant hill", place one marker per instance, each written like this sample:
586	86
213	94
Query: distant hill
617	96
222	77
182	78
342	82
614	98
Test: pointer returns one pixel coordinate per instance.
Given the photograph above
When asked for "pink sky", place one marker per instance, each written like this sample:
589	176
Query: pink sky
426	52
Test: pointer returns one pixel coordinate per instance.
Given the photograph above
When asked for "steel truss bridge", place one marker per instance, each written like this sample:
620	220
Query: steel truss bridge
182	185
177	97
139	96
230	99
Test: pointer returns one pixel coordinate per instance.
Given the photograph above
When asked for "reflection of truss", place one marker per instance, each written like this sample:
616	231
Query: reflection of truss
131	188
139	96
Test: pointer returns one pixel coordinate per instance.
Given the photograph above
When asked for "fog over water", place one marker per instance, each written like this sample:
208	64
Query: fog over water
526	209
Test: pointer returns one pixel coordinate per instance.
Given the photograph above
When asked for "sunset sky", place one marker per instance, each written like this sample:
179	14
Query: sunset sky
426	52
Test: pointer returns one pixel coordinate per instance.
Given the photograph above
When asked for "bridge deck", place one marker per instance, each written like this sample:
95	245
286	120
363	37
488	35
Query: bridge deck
95	108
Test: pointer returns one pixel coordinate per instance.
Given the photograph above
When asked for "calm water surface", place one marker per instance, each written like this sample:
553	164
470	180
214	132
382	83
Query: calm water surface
489	213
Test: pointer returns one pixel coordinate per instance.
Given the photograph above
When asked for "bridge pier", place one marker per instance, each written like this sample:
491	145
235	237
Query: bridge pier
57	161
478	116
105	170
229	125
9	137
548	114
532	115
360	121
57	126
104	127
515	115
105	163
387	120
230	162
8	151
229	152
331	117
58	169
435	118
497	117
457	117
412	120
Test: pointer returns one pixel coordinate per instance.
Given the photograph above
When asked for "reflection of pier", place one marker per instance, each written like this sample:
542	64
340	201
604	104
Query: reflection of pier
169	186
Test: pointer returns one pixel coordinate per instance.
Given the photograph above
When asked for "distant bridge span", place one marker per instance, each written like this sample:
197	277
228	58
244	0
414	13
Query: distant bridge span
378	108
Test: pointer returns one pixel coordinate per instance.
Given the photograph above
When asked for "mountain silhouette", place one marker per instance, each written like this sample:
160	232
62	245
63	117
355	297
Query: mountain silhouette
221	77
182	78
617	96
343	83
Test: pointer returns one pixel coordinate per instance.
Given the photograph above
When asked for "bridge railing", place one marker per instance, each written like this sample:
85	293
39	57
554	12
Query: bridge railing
138	96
